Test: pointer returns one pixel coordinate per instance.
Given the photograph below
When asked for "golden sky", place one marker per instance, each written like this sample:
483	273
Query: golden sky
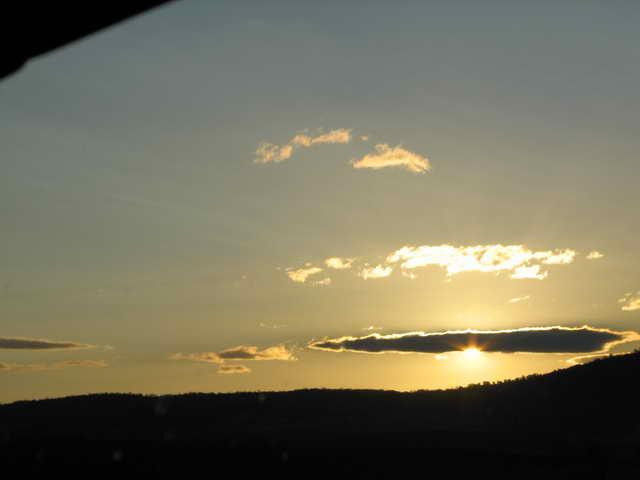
224	197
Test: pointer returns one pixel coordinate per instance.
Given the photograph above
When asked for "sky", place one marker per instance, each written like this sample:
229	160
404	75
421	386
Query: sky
231	196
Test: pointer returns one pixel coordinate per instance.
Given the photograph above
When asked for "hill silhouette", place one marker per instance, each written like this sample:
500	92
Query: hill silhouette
580	422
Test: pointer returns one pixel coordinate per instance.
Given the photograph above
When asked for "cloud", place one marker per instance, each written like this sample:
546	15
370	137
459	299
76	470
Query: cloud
272	153
386	156
375	272
39	367
323	283
339	263
233	369
268	152
372	328
241	352
519	260
529	272
207	357
274	325
594	255
21	343
300	275
567	340
249	352
341	135
524	298
630	302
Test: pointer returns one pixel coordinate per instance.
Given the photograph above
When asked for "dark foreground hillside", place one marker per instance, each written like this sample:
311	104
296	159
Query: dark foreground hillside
582	422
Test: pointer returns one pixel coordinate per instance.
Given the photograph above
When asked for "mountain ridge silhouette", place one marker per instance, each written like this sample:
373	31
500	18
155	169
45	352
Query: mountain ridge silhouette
581	420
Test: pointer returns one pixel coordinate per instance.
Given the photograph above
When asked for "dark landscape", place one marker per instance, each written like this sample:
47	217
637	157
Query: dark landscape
580	422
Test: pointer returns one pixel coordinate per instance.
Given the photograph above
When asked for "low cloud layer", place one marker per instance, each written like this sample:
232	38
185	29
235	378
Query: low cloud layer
386	156
21	343
272	153
594	255
630	301
38	367
523	340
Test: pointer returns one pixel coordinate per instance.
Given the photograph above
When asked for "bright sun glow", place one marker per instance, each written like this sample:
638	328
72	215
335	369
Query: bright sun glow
471	353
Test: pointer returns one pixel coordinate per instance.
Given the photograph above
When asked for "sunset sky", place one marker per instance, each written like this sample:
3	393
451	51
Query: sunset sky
224	196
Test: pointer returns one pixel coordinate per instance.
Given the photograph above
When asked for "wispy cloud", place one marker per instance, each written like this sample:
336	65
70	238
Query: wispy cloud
594	255
272	325
386	156
339	263
567	340
373	328
524	298
630	301
375	272
300	275
22	343
233	369
39	367
272	153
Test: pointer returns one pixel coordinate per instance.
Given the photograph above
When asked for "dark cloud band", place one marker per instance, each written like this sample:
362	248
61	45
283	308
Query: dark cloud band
532	340
38	344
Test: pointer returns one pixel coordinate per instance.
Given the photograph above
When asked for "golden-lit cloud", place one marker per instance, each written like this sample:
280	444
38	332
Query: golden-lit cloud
630	301
323	283
594	255
207	357
22	343
339	263
532	272
386	156
268	152
341	135
250	352
233	369
241	352
300	275
272	153
567	340
524	298
378	271
519	260
39	367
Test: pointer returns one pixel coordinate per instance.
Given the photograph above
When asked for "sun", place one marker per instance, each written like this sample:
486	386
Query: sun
471	353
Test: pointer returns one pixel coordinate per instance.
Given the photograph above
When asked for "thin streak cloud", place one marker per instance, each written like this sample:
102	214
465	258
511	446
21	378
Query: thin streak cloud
39	367
271	153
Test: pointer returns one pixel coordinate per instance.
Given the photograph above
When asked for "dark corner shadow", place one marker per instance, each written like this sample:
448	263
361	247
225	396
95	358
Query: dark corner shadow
580	422
33	28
